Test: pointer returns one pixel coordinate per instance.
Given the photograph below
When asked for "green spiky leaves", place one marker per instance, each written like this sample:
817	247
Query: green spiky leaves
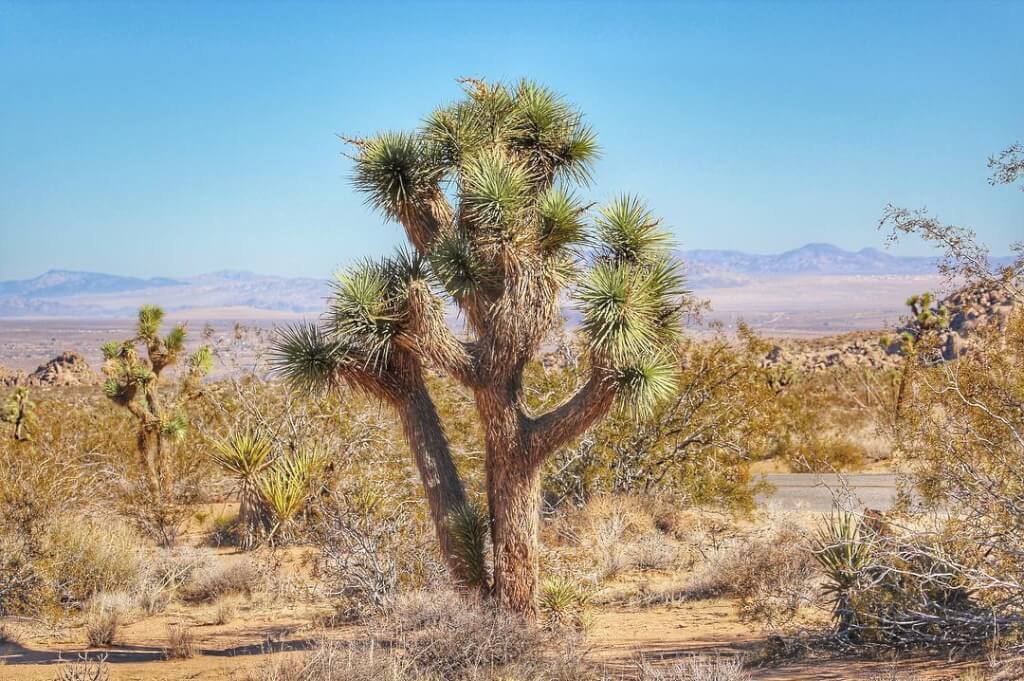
561	220
462	271
150	318
395	170
551	132
646	381
364	309
496	188
243	454
200	363
630	310
629	233
470	529
305	356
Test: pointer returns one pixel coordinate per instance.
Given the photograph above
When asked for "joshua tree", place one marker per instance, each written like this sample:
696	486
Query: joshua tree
485	192
134	383
18	411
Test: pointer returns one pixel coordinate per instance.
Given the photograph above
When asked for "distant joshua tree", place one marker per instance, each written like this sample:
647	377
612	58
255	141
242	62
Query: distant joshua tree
19	411
484	190
134	382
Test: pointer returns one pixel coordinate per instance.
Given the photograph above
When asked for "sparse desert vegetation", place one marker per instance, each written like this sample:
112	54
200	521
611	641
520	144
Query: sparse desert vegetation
379	497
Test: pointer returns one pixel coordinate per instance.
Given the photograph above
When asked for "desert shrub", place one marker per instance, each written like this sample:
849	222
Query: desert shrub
84	670
225	611
168	570
9	636
213	581
893	587
101	627
449	636
225	530
563	602
695	668
770	574
85	557
697	445
370	547
181	642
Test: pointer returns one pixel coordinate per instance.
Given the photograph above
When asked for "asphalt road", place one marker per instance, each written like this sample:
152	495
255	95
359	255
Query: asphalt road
816	492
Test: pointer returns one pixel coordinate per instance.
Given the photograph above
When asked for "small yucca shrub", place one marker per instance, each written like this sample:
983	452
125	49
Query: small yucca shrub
564	602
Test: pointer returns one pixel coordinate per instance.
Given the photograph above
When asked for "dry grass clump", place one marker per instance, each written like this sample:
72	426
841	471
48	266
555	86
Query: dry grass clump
696	668
104	615
771	574
225	611
88	556
101	627
212	581
181	642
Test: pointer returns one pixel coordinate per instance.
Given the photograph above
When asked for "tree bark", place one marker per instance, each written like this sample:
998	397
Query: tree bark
513	496
442	484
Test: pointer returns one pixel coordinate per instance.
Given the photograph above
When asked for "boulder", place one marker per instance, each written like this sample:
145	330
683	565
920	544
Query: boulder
67	368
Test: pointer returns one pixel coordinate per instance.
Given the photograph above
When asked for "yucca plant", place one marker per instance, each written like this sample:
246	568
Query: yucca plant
564	601
844	556
486	191
286	486
469	527
19	411
244	455
134	382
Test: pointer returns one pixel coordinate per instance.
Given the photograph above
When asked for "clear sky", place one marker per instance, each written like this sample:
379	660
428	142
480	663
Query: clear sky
175	138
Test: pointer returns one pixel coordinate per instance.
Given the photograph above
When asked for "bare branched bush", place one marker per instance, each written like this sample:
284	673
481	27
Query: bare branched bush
101	627
771	574
369	549
84	670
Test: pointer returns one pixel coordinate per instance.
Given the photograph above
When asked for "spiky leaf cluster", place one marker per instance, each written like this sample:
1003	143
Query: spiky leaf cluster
486	190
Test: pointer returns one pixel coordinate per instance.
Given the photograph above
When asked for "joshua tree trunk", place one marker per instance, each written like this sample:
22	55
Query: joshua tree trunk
514	493
441	482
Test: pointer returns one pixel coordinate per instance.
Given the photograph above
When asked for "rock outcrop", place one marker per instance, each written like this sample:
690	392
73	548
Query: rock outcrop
969	310
68	368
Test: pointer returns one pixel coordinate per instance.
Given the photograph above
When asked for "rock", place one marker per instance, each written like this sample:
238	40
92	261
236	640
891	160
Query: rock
68	368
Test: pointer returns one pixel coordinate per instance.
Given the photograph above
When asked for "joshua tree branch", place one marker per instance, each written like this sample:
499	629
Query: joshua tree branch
429	336
572	418
425	220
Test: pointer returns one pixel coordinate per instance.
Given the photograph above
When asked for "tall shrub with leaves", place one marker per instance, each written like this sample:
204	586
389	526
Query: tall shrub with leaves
486	190
136	383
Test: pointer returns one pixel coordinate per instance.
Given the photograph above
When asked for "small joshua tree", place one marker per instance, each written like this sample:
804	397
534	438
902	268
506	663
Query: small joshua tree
485	192
19	411
134	382
245	455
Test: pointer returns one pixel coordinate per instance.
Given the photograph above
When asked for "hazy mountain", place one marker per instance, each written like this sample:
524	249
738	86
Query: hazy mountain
232	293
58	283
819	259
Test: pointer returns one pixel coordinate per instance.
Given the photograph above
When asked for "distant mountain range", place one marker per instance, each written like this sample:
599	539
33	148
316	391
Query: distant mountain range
63	293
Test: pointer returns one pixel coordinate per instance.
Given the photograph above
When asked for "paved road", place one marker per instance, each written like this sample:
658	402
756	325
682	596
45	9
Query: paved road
814	492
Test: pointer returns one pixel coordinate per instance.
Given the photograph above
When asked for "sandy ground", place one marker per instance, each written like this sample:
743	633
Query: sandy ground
617	636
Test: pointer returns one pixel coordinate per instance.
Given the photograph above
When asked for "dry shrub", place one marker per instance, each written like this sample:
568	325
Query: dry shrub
84	670
770	574
9	636
167	571
225	611
85	557
370	549
450	636
181	642
101	627
214	581
696	668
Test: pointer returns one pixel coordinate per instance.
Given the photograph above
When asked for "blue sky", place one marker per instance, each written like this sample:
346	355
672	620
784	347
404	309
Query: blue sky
178	138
